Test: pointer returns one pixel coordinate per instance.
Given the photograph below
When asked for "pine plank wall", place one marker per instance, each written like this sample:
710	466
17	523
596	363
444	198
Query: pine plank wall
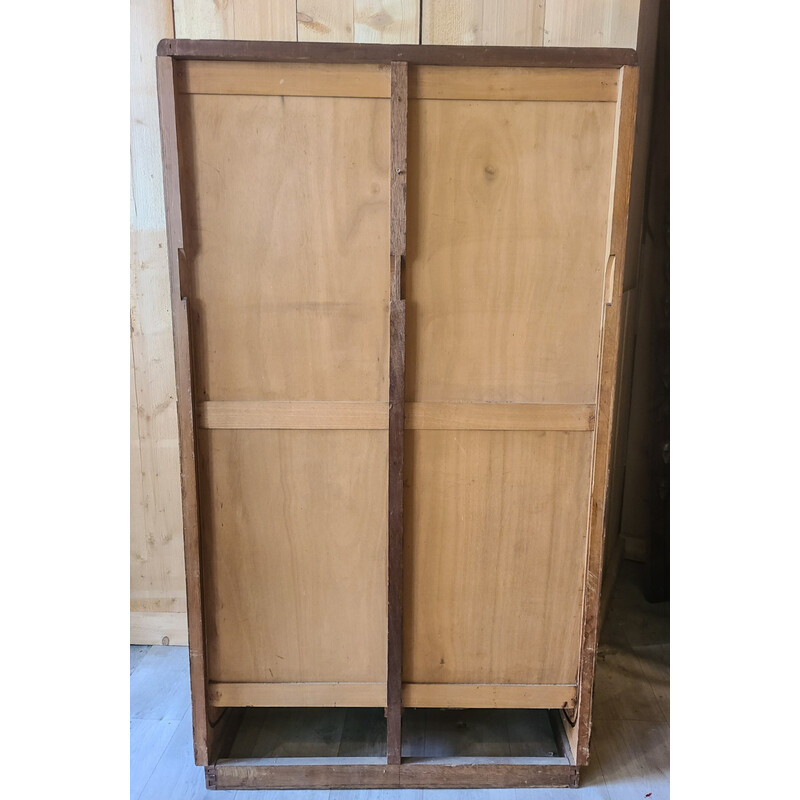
158	598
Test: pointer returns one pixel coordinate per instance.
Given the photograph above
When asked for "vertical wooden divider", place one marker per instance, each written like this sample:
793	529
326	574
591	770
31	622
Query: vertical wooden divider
397	346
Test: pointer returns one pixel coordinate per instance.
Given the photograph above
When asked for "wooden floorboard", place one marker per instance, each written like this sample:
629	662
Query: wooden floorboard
630	743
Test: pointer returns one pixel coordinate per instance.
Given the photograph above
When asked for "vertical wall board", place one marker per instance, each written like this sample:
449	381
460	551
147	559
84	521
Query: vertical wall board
157	576
256	19
387	22
204	19
591	23
236	19
483	22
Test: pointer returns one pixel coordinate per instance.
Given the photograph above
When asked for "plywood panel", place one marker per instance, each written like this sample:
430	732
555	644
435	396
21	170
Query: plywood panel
311	80
483	22
591	23
505	298
287	232
379	21
294	530
156	565
510	83
496	526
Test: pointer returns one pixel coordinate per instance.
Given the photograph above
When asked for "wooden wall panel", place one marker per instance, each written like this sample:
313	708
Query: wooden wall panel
483	22
378	21
591	23
157	574
236	19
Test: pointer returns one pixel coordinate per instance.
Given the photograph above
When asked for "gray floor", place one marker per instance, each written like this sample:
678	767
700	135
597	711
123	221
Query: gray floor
630	742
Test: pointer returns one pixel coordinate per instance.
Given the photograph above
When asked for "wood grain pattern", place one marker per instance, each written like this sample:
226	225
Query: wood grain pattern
465	695
294	536
506	307
483	22
513	83
397	353
236	19
332	415
347	695
591	23
433	55
159	627
283	192
494	556
389	21
297	80
408	775
499	417
303	415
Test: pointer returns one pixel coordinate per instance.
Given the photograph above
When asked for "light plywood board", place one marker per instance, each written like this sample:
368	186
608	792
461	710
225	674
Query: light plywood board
290	299
295	546
506	307
496	526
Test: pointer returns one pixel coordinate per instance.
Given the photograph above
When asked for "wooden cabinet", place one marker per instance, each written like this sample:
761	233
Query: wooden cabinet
396	275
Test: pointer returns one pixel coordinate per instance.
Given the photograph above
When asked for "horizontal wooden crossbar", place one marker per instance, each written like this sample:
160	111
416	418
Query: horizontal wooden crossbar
484	695
348	695
313	415
446	55
411	774
303	80
372	80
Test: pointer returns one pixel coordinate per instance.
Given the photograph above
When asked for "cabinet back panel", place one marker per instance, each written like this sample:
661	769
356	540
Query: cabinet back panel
287	232
294	534
507	229
495	546
285	190
507	252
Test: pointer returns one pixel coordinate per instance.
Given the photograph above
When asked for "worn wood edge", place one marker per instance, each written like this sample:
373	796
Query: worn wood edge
328	694
397	354
293	415
203	733
489	695
579	735
434	55
407	775
500	416
153	627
